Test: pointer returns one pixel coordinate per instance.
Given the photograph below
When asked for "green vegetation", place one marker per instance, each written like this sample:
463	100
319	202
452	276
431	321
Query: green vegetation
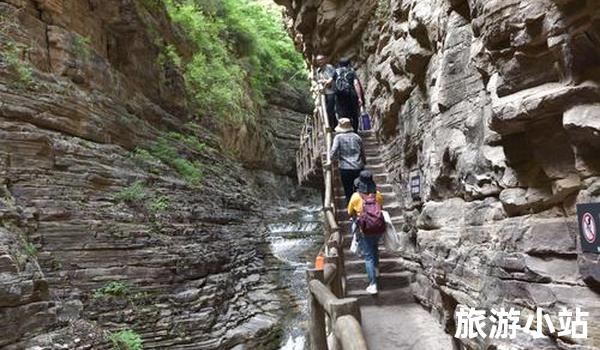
114	288
22	72
13	53
169	54
190	171
31	249
242	50
189	140
125	339
81	47
133	193
141	155
159	204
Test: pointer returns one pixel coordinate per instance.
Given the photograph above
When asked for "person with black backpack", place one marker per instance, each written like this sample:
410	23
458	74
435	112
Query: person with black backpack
365	207
348	93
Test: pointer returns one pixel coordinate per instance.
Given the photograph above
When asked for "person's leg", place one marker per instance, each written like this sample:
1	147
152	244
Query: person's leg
354	120
369	248
355	175
347	177
330	106
377	239
355	112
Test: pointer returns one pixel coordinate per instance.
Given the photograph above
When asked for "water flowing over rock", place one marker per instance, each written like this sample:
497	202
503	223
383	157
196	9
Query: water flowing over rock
496	103
83	203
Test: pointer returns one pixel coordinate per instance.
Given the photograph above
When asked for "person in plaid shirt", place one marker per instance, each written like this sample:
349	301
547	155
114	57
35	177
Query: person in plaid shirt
348	149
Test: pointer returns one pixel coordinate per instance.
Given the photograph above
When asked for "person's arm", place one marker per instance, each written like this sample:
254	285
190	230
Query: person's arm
358	89
352	205
335	147
379	198
362	151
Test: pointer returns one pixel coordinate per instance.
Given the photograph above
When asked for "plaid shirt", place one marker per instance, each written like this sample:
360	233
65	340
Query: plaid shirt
348	148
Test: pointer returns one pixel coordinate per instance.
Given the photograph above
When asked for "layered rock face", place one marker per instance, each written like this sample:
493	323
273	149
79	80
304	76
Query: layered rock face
268	147
496	105
106	179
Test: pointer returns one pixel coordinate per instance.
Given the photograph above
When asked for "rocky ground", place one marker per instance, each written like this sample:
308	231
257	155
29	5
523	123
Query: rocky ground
118	207
495	103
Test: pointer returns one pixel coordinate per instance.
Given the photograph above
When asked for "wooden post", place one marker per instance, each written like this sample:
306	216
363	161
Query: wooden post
318	336
349	333
336	283
346	306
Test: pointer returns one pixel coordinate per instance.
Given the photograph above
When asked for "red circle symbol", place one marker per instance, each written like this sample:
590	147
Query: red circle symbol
588	226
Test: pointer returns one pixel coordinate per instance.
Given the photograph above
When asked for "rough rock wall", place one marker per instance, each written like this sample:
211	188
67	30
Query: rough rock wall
268	146
192	254
497	104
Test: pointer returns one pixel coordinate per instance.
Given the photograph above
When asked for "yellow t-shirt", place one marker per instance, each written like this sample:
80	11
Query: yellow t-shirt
356	203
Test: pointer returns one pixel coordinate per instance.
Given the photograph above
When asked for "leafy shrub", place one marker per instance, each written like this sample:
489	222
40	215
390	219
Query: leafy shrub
114	288
242	50
31	249
125	339
169	54
132	193
189	140
191	171
81	47
141	155
159	204
163	150
13	53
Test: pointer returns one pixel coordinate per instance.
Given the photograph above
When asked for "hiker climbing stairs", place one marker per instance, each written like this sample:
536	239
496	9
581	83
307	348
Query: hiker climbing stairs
391	319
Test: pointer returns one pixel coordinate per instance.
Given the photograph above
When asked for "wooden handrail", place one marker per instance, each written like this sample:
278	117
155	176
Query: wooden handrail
349	333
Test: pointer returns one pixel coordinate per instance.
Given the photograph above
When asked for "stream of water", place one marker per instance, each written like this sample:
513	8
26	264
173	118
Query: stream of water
296	236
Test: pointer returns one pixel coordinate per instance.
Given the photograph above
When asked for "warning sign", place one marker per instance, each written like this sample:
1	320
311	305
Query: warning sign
588	215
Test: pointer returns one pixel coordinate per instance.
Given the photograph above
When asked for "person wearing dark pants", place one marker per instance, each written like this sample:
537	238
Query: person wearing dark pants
330	106
349	93
348	149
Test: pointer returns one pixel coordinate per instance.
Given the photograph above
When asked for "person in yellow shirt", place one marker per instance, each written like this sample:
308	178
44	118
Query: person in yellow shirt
369	243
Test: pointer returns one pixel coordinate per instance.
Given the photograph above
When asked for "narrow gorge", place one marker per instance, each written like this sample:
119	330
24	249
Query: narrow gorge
148	181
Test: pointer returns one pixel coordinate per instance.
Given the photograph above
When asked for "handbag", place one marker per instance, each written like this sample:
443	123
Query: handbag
354	245
391	238
365	119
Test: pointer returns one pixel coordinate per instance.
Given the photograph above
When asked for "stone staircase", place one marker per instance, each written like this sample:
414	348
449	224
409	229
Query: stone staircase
394	281
391	320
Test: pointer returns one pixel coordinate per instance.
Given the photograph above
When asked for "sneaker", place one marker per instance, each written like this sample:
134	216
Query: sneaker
372	289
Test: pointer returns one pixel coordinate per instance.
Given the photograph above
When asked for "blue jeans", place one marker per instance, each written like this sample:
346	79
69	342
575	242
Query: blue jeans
369	244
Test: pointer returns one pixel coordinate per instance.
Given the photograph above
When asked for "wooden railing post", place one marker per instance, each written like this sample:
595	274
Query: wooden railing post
318	336
336	283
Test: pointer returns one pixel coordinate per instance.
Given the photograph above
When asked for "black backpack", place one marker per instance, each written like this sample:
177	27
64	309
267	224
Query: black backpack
344	82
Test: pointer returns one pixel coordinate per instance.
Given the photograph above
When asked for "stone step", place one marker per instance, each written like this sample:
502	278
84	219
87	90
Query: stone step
383	254
386	280
380	177
375	167
394	296
385	265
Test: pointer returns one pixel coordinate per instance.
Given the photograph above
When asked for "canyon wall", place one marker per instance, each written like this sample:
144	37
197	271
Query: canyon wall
120	208
496	105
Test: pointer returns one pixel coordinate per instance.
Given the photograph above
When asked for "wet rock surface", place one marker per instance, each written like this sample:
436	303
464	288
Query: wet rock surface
494	103
82	206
